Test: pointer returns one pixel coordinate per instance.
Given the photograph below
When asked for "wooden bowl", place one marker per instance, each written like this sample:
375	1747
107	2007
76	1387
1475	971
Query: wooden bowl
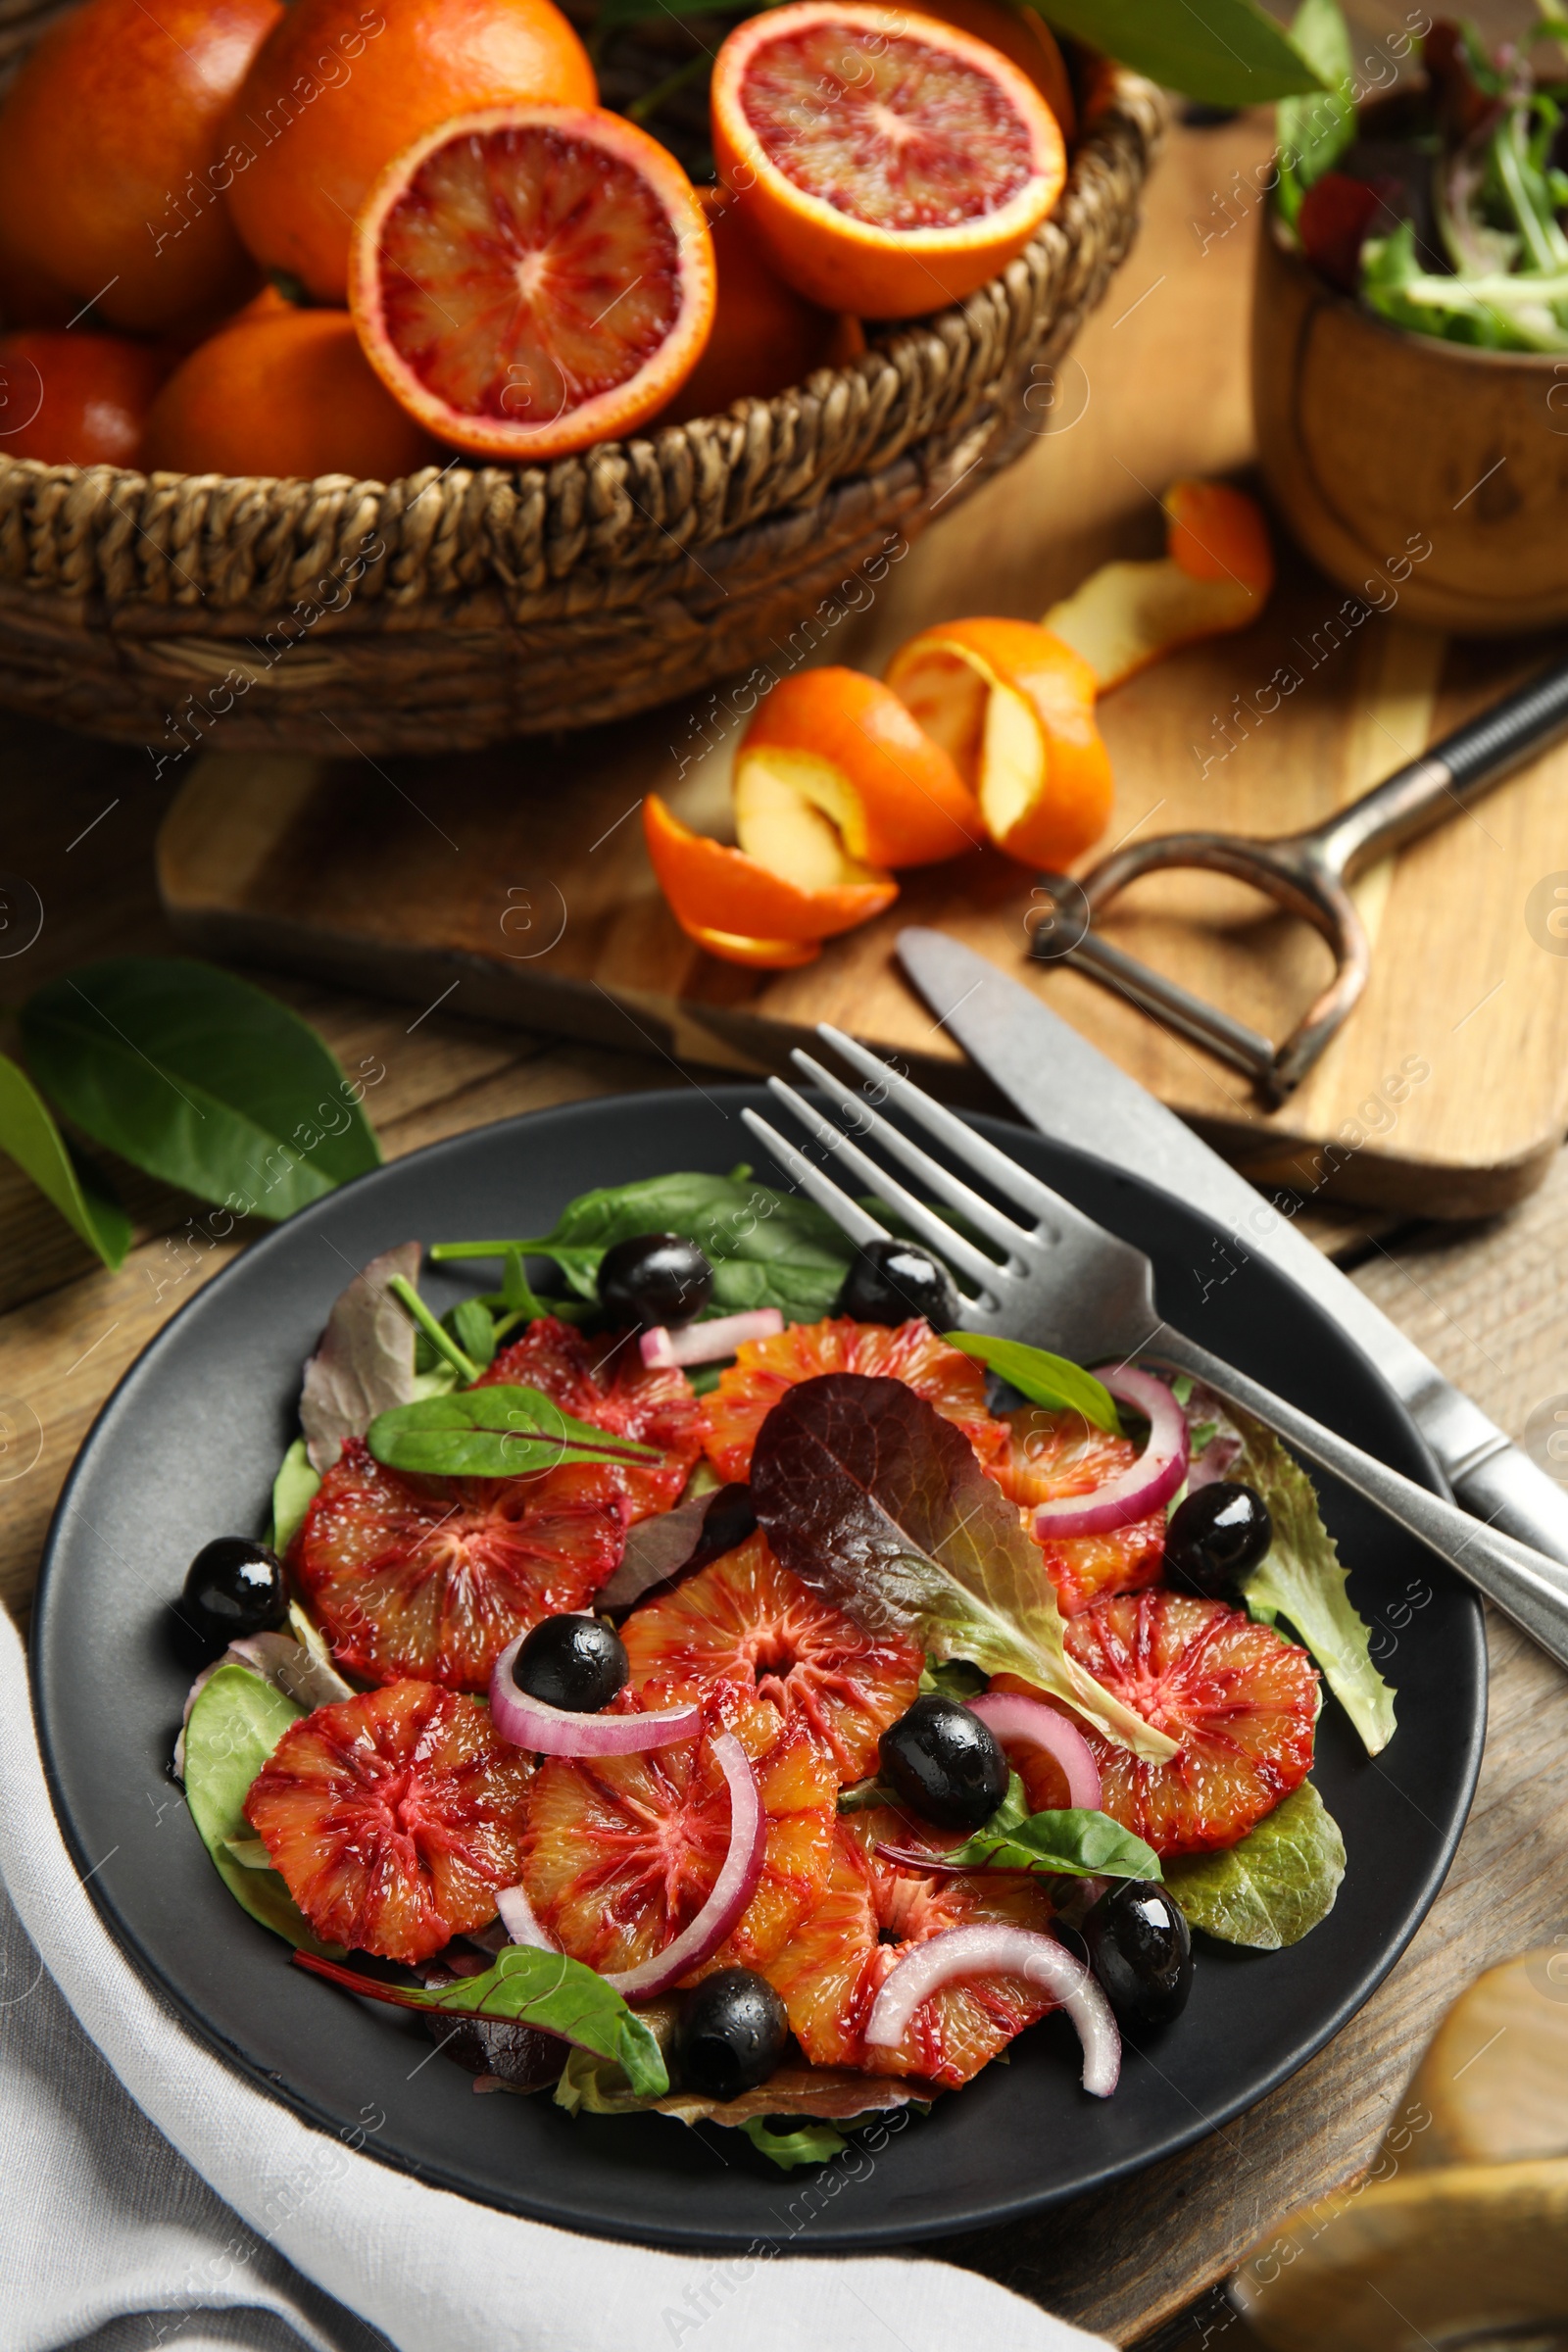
1412	471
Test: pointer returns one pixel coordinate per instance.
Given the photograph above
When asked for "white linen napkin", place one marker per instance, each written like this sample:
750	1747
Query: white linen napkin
155	2197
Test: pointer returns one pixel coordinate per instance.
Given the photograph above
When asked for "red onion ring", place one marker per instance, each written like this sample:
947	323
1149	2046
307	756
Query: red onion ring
1140	1488
555	1732
517	1917
1000	1951
707	1343
1011	1716
733	1887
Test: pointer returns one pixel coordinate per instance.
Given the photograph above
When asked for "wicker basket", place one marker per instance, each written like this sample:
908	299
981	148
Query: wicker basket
456	609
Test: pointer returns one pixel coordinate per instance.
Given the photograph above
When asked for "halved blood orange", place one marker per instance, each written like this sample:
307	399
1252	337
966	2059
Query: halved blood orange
394	1818
871	1913
747	1621
432	1577
1049	1454
1240	1700
604	1381
622	1852
750	1387
890	163
532	278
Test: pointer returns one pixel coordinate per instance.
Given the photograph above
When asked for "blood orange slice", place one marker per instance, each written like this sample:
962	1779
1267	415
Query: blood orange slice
747	1621
1048	1454
1240	1699
622	1852
889	163
871	1913
394	1818
747	1392
532	278
432	1577
604	1381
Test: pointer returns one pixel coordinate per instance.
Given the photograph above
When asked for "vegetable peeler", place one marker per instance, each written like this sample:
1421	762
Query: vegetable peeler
1306	873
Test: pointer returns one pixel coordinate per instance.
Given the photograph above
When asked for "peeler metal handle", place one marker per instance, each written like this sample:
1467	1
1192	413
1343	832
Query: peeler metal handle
1305	872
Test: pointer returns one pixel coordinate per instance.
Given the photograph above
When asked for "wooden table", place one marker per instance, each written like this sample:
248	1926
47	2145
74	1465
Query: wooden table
1485	1302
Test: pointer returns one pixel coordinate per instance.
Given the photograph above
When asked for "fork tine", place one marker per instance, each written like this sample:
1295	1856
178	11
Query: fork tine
943	1237
846	1215
983	1158
920	1164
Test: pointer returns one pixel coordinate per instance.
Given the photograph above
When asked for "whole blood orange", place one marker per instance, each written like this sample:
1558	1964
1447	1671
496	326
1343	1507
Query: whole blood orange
1050	1454
343	86
394	1818
748	1391
114	158
889	163
766	336
532	278
75	399
871	1914
283	391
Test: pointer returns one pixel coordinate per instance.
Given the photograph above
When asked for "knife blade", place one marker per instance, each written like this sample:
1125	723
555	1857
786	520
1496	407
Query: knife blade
1069	1090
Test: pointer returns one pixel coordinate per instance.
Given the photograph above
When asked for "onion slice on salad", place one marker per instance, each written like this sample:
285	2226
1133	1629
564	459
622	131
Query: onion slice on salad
707	1343
998	1951
1013	1716
556	1732
1144	1483
517	1917
733	1887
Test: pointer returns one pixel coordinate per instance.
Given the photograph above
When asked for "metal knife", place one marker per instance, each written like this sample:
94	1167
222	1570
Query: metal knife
1067	1088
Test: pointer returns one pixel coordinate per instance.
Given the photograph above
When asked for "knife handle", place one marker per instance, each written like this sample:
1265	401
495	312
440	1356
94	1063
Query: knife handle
1509	1492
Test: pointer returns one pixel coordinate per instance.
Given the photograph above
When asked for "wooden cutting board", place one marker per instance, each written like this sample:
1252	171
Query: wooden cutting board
514	884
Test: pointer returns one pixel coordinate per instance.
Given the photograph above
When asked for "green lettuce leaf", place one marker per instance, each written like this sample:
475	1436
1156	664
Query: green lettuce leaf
237	1722
951	1678
293	1492
803	2143
1045	1379
1315	131
1275	1886
499	1432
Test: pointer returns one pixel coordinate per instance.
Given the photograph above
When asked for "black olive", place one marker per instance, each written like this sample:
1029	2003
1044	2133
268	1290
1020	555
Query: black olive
731	2033
898	1281
1215	1537
945	1763
233	1587
1140	1949
655	1279
577	1663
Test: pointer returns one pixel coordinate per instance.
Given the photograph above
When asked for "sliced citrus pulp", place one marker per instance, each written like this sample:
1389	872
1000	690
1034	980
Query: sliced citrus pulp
1214	576
394	1818
1025	37
622	1852
745	1620
890	162
749	1387
716	892
530	279
1014	706
1049	1454
1238	1698
432	1577
604	1381
871	1913
833	768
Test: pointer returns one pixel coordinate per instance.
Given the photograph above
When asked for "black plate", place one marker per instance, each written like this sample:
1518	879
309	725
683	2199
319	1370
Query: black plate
185	1449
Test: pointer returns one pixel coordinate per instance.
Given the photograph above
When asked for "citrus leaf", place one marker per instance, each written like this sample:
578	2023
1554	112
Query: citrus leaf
873	1500
29	1136
1273	1886
200	1079
237	1720
1223	52
1045	1379
498	1432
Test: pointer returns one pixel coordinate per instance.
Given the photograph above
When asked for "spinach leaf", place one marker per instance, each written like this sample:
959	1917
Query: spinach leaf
1272	1887
1045	1379
84	1196
201	1079
237	1722
1225	53
803	2143
872	1499
498	1432
293	1492
1075	1842
472	1325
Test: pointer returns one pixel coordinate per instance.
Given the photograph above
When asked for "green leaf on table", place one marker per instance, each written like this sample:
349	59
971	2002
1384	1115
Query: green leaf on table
293	1492
1272	1887
1315	131
237	1722
800	2143
29	1136
201	1079
1221	52
557	1995
876	1501
1045	1379
499	1432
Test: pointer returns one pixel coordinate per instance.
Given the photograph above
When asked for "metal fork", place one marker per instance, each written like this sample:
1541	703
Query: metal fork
1066	1283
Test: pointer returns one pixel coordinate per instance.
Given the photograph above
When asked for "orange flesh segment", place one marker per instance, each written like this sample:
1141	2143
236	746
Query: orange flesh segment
912	138
525	271
1050	1454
